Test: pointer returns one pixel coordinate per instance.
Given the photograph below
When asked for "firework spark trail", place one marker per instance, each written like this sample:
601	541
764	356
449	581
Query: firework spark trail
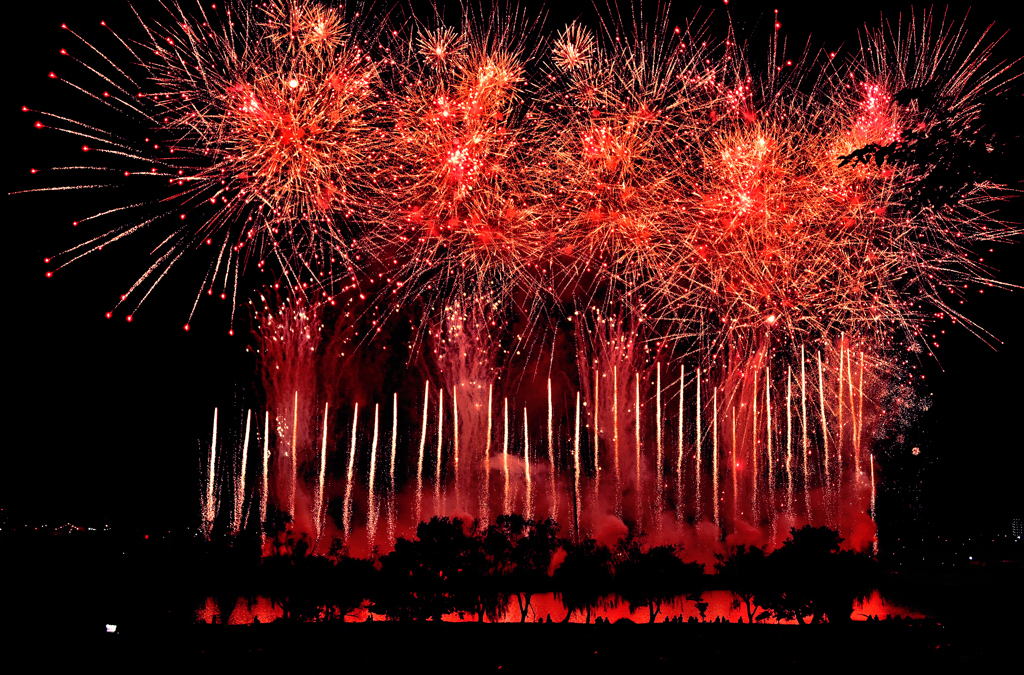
391	470
699	467
576	470
860	410
318	500
597	438
803	429
789	438
506	502
264	482
768	435
854	441
485	492
347	512
679	440
239	495
209	507
438	466
839	415
553	512
528	510
294	452
714	459
874	514
735	472
754	474
659	471
829	506
455	440
419	461
615	439
639	478
371	495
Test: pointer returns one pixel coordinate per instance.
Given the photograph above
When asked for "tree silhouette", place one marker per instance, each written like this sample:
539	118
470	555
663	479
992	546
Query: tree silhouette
313	588
522	551
950	153
584	578
745	572
647	578
811	576
431	575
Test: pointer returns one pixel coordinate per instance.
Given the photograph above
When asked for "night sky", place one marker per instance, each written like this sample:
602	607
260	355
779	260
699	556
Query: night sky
105	418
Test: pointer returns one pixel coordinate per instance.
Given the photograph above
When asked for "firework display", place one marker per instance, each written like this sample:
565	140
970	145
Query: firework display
647	286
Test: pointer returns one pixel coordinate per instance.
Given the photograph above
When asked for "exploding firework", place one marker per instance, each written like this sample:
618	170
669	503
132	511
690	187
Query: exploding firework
750	250
252	131
459	219
621	118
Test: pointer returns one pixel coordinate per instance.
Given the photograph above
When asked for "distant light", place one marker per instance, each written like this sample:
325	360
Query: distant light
293	83
111	628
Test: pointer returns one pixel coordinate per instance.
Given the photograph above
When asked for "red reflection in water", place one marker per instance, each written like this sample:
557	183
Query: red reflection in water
544	605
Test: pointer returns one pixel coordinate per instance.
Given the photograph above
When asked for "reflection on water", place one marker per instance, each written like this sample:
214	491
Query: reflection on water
544	605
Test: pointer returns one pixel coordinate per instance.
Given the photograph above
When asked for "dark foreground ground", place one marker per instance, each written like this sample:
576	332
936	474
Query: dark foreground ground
504	648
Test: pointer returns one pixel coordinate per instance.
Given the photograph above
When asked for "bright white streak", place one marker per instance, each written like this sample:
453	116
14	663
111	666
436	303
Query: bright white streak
240	482
551	457
486	491
318	513
371	524
576	467
438	500
347	513
639	477
824	426
264	486
419	464
597	439
455	427
506	506
659	470
615	439
391	474
714	458
699	442
679	457
526	460
208	507
803	410
789	438
295	456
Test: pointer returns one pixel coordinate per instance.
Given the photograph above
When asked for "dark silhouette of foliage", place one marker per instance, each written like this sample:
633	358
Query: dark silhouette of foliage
431	575
652	576
810	576
745	573
584	578
314	588
522	551
949	155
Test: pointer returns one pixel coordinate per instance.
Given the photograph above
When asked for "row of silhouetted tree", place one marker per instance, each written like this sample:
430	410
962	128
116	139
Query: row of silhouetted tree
451	567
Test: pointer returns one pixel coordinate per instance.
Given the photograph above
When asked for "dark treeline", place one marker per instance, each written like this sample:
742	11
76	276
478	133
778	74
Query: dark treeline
454	567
